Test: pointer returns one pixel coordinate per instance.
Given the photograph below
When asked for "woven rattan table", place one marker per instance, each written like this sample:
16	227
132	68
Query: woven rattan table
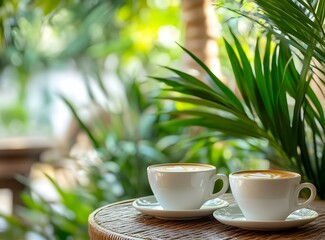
122	221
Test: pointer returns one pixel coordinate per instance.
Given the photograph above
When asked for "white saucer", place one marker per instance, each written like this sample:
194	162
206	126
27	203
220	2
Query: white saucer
149	206
233	216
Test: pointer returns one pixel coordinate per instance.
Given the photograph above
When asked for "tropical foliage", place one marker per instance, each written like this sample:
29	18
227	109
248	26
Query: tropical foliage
274	110
96	37
40	37
125	128
125	144
277	102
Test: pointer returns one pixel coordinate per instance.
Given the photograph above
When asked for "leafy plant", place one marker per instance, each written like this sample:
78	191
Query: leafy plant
36	38
277	103
115	169
40	219
96	34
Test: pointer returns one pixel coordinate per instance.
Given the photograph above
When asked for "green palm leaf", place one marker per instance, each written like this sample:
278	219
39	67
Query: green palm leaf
82	124
224	89
179	85
295	131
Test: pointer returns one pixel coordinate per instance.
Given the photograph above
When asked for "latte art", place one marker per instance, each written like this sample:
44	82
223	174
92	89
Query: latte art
182	168
262	175
265	174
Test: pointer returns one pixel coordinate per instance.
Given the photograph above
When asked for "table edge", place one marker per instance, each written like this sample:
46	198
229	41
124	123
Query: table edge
99	232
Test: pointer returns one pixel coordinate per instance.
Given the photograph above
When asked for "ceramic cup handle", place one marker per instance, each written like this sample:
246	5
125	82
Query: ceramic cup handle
225	185
311	198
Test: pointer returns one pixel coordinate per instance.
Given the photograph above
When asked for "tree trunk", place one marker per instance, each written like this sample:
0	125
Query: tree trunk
201	30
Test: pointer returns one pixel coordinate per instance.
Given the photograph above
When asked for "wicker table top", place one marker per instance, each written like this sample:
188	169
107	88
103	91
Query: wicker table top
122	221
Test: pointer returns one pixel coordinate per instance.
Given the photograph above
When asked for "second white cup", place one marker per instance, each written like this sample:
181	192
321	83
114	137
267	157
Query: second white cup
184	186
269	195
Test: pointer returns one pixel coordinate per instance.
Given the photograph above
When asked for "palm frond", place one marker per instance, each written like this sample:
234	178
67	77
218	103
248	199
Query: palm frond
276	101
264	88
300	23
82	124
224	89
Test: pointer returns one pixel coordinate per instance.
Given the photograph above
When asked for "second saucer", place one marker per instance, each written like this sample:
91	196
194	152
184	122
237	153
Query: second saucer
233	216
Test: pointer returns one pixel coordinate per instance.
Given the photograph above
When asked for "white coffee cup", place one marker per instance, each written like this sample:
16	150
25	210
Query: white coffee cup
268	195
184	186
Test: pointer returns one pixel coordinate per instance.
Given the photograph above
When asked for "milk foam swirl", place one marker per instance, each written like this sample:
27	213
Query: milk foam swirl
182	168
265	174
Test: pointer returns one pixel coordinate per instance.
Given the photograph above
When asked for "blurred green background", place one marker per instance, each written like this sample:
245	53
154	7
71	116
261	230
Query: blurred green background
79	71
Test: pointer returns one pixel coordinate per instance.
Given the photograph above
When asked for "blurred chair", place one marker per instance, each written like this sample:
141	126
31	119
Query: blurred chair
17	155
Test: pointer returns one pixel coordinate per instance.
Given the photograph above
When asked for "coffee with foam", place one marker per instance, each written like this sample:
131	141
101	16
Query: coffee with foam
268	195
184	186
265	174
179	167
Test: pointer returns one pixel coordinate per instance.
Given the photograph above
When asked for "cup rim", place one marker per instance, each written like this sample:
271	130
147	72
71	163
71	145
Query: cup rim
294	174
211	167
